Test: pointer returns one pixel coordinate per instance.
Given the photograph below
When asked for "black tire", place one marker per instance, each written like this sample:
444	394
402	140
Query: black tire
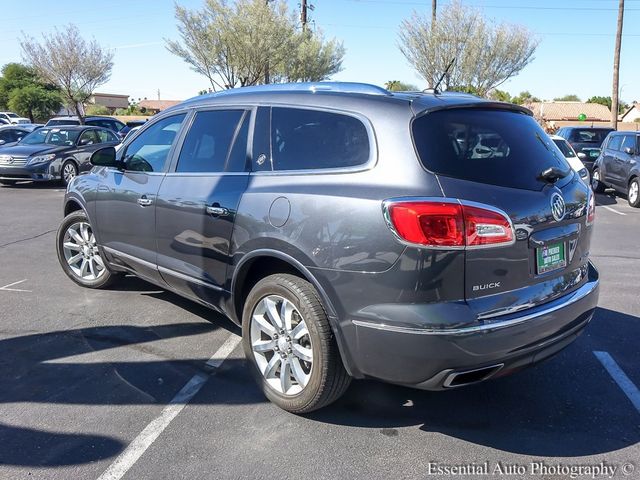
634	198
104	279
596	184
8	183
68	165
328	378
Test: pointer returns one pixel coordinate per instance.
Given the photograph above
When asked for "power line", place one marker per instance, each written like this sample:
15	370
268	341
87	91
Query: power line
513	7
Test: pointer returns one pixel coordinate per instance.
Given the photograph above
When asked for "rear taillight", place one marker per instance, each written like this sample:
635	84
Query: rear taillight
591	209
448	224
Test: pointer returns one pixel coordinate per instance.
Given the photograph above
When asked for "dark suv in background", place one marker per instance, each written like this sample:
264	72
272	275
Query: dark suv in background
586	141
617	166
430	240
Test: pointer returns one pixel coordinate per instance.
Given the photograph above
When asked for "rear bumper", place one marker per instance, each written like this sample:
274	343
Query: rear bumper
428	358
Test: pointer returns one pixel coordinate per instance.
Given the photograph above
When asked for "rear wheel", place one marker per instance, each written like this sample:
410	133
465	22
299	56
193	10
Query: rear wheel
78	252
633	193
69	171
596	183
288	340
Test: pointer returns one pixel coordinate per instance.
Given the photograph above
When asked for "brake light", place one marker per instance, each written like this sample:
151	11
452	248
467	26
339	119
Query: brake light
448	224
591	210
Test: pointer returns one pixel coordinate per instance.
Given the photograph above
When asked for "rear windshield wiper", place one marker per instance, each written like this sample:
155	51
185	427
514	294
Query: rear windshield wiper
552	174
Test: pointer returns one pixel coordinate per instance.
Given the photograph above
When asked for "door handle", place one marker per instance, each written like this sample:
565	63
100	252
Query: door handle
218	211
144	201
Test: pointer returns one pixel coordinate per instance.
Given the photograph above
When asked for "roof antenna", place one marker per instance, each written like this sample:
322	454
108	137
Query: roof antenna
446	70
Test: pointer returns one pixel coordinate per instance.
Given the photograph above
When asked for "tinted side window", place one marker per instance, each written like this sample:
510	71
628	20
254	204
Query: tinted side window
88	137
237	161
208	141
8	136
149	151
628	141
615	142
106	136
311	139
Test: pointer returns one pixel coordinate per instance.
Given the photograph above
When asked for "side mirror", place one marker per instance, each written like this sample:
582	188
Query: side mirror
581	156
628	150
105	157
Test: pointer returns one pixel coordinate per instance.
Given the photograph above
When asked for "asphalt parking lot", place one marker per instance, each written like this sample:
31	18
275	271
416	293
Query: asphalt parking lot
91	383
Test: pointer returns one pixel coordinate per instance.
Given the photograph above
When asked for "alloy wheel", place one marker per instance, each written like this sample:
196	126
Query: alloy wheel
633	192
281	345
81	252
68	172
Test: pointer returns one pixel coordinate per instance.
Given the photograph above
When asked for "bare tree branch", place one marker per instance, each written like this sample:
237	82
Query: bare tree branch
67	60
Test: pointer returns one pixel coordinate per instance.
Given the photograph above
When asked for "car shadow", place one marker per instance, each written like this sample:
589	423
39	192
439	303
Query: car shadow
607	198
566	407
54	185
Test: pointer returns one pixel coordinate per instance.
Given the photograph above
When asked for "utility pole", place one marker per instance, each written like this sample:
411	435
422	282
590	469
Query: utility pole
303	14
434	6
616	68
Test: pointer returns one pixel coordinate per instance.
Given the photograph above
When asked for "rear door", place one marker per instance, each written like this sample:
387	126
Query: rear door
548	254
198	200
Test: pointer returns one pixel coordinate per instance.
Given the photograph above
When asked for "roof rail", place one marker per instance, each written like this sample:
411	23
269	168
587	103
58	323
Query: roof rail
313	87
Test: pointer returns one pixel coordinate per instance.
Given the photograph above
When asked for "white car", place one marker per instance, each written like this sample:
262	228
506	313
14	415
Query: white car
571	156
13	118
130	133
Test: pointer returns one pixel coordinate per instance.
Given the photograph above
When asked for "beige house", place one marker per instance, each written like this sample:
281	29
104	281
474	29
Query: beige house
111	101
155	106
632	114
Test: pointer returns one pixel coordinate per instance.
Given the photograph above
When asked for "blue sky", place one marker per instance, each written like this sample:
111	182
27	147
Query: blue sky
575	54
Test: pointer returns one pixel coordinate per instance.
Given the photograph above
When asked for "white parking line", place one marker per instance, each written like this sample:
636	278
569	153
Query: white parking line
611	209
624	382
7	289
152	431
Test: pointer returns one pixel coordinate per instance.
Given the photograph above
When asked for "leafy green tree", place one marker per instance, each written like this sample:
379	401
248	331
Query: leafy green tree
499	95
568	98
524	97
250	42
398	86
23	92
606	101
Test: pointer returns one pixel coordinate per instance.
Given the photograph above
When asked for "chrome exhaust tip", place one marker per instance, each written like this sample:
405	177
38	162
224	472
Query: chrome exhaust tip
468	377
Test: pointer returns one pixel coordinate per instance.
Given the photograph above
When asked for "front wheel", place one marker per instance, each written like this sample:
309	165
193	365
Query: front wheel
288	340
596	184
633	193
69	172
78	252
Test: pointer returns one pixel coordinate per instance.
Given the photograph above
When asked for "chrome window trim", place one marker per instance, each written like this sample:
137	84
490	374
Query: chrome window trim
576	296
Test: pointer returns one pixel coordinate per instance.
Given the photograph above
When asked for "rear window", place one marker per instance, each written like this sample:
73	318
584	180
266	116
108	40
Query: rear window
589	136
487	146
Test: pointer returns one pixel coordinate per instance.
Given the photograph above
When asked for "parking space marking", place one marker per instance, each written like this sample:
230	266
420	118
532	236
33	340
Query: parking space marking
624	382
152	431
611	209
7	288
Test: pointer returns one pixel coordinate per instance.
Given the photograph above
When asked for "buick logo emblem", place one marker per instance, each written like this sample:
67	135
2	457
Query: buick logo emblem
6	159
557	207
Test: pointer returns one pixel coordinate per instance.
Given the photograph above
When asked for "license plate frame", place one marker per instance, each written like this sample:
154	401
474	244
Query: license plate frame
551	257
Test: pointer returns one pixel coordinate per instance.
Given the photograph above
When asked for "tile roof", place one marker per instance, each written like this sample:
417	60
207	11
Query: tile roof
158	104
570	110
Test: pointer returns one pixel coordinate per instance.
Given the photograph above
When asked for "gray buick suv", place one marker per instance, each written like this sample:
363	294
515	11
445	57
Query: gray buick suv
432	240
